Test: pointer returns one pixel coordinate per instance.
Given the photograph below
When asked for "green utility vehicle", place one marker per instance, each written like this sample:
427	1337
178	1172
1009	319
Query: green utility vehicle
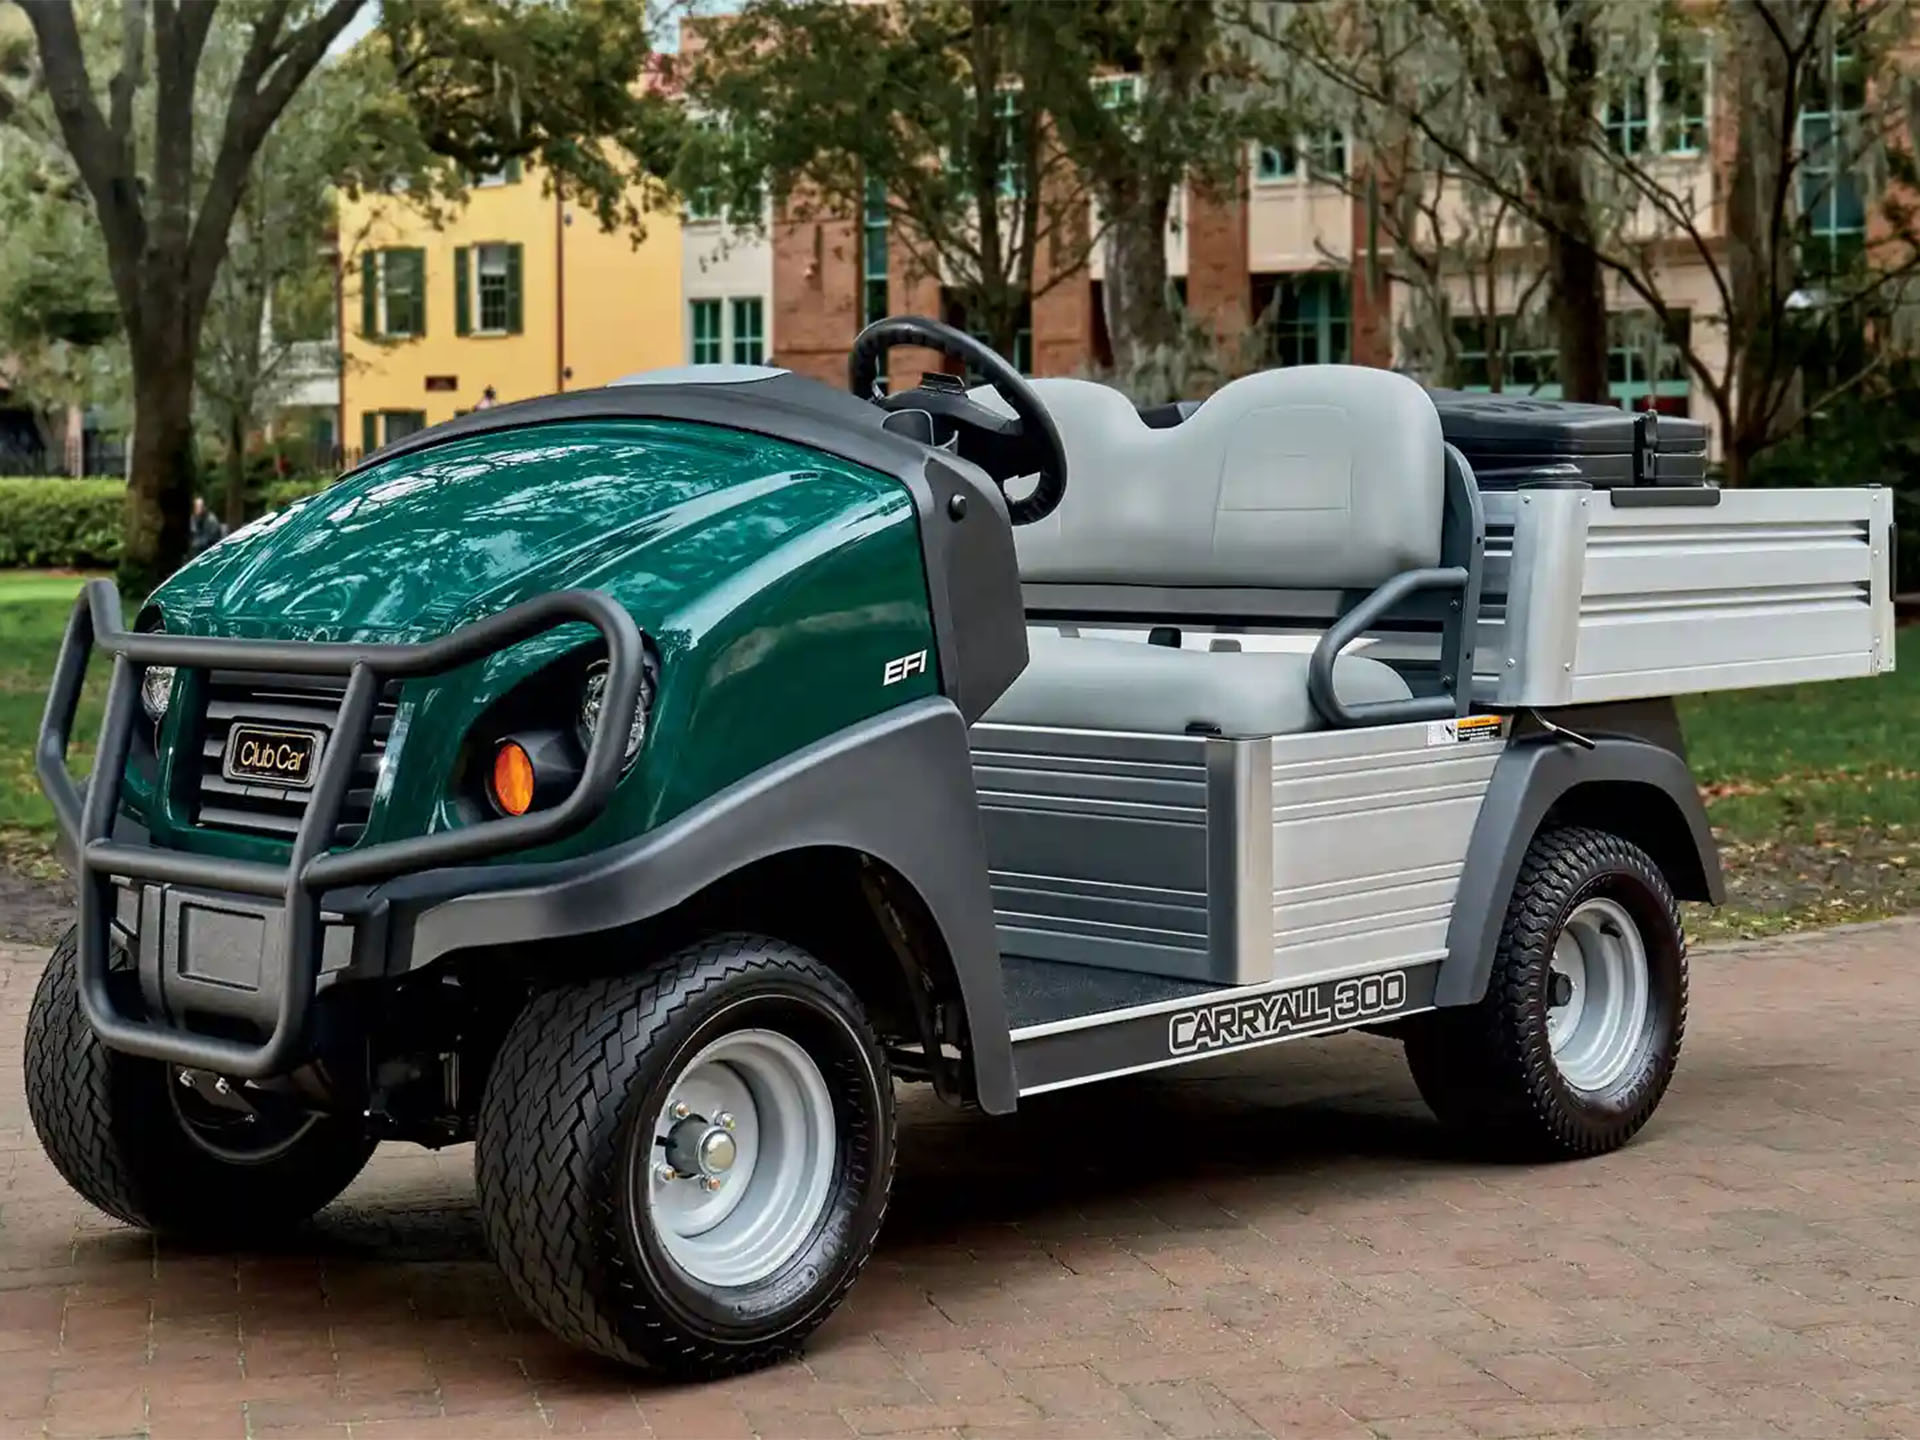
640	782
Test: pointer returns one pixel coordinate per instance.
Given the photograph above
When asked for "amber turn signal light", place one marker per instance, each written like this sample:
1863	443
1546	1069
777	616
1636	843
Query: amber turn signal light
512	783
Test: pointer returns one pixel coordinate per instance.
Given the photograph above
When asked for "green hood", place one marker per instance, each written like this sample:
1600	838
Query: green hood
654	511
775	584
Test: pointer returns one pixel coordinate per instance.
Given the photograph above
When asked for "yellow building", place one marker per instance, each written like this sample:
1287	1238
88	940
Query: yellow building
519	294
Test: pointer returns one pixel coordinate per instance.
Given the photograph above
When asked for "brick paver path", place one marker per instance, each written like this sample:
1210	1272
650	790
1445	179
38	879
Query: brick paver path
1279	1244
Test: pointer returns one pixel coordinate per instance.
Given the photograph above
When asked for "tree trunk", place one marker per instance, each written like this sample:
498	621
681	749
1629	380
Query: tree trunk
1579	304
160	490
1760	252
1548	124
236	503
1139	317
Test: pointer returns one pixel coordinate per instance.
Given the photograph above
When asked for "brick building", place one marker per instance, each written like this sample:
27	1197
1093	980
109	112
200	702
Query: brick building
1284	236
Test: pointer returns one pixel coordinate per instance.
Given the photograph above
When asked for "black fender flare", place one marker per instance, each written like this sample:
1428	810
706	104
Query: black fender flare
1640	789
898	787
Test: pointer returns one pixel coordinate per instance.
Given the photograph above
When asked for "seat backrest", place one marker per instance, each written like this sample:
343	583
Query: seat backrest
1324	477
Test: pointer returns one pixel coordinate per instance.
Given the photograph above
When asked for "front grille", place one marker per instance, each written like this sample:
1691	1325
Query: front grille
308	701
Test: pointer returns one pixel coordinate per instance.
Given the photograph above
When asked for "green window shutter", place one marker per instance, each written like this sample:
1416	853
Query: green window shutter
515	312
369	432
420	291
513	171
370	294
462	316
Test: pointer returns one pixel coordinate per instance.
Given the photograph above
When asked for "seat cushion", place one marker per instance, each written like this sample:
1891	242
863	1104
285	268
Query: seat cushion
1308	477
1089	684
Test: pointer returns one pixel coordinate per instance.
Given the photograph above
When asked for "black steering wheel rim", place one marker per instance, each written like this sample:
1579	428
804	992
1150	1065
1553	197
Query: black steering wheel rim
870	349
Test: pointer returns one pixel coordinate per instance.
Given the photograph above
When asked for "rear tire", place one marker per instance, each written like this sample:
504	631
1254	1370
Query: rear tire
121	1137
1571	1048
687	1168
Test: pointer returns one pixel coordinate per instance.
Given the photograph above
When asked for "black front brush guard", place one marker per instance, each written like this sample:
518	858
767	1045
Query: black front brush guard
87	816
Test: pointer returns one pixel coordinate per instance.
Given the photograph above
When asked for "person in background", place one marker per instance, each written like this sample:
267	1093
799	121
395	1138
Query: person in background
204	529
487	399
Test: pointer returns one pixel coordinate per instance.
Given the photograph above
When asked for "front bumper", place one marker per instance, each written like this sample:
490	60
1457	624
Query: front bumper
274	911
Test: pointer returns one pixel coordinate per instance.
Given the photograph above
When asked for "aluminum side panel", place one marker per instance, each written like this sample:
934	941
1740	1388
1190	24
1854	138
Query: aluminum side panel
1370	831
1587	601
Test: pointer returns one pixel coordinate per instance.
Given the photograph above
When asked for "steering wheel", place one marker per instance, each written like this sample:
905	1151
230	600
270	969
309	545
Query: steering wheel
1006	447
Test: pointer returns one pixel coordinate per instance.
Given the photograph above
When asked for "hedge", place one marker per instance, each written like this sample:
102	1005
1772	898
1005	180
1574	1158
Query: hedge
279	494
61	524
58	524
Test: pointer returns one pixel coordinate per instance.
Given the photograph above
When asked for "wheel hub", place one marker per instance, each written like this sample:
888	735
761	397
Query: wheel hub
742	1159
1599	997
698	1148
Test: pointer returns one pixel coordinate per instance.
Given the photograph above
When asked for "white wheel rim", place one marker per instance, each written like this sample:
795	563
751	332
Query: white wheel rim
1596	1035
735	1224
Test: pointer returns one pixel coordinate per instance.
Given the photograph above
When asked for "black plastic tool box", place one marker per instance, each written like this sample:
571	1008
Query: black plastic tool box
1515	440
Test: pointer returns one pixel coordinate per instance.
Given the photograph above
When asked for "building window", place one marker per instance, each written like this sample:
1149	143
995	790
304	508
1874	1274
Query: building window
707	344
1006	109
1682	96
393	294
1832	202
703	205
487	289
732	329
1646	369
749	339
1665	111
508	173
490	287
383	427
1308	314
402	423
1022	351
1322	151
1276	162
1628	117
1116	92
873	255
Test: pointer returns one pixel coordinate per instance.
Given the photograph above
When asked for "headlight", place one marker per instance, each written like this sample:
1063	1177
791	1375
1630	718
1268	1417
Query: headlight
156	689
593	694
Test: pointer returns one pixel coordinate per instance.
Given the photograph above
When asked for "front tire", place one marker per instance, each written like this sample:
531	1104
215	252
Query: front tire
132	1142
1572	1047
686	1168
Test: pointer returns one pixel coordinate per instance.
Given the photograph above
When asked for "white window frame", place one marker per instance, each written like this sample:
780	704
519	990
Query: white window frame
387	332
727	337
1650	87
474	271
1297	153
719	338
733	336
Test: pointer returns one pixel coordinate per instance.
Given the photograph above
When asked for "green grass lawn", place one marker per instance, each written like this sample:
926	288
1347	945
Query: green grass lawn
1814	792
1811	788
33	615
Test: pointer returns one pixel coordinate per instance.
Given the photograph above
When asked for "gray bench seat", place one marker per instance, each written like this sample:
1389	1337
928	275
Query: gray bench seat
1095	684
1322	477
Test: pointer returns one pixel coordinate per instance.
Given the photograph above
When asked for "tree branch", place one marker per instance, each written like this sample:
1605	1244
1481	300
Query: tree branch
103	156
251	113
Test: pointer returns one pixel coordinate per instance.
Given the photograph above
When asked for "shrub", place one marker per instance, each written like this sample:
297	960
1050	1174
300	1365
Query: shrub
61	524
1869	438
279	494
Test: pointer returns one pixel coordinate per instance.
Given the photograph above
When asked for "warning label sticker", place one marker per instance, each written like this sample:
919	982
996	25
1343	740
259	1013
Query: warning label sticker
1466	729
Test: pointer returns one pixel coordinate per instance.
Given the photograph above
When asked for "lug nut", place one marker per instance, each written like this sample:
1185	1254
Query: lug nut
725	1120
680	1110
186	1078
664	1172
710	1183
220	1085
